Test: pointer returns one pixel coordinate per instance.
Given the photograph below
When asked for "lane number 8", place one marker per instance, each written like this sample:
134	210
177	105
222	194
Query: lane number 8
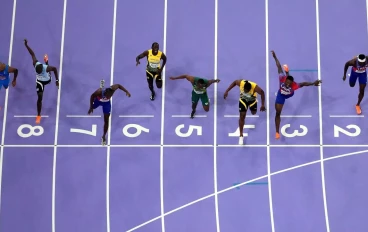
33	130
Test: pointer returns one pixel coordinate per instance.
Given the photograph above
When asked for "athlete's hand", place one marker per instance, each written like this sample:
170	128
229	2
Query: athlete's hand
172	78
225	95
128	94
273	53
263	108
344	78
159	71
25	42
217	80
14	83
90	111
57	84
137	63
317	82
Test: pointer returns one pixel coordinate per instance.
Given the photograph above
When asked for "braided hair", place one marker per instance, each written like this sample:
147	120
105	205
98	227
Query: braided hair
247	86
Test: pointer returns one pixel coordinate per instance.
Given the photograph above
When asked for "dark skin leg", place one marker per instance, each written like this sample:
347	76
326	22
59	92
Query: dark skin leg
159	83
278	108
106	125
241	122
39	103
206	108
361	93
194	107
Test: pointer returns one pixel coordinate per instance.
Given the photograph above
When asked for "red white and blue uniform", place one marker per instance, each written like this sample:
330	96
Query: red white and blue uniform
4	77
284	91
358	72
104	102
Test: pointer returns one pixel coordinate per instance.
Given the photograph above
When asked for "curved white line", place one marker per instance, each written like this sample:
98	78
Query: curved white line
244	183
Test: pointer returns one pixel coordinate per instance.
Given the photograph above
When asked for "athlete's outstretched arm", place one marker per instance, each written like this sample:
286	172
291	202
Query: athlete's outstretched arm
92	99
163	58
315	83
278	65
210	82
140	56
260	91
189	78
34	59
53	69
119	86
232	85
347	65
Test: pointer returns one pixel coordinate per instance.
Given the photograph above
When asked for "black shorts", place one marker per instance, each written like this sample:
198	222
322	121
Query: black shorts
153	75
244	105
40	85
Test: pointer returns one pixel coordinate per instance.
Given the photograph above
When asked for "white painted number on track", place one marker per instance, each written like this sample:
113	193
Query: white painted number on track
190	131
33	130
139	129
338	130
295	133
93	132
237	132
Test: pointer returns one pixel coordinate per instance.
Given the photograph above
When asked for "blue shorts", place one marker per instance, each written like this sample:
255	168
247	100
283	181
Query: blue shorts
280	98
106	106
4	83
355	76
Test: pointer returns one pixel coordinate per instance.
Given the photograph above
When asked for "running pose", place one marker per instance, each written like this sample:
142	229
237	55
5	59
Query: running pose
247	100
199	91
153	69
359	66
5	71
101	97
287	86
43	78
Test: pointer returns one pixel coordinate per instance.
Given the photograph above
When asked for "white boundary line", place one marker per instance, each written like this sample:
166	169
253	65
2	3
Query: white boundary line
7	95
215	122
108	150
57	115
82	116
347	116
323	181
247	182
163	124
29	116
268	120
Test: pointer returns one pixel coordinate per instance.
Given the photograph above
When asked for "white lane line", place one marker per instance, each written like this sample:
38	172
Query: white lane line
296	116
136	116
188	116
83	116
346	116
29	116
237	116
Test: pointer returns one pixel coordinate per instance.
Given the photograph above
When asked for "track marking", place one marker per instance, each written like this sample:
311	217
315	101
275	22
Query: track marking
268	119
346	116
237	116
83	116
246	183
215	122
136	116
320	120
188	116
57	115
7	96
109	132
162	207
29	116
296	116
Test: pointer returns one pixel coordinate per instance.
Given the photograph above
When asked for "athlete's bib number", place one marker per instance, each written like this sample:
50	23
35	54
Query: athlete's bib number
32	130
154	65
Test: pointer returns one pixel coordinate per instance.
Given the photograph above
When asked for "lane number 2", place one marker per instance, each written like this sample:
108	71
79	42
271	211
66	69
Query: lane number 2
355	128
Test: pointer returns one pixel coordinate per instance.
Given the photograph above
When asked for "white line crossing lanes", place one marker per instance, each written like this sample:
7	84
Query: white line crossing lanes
6	97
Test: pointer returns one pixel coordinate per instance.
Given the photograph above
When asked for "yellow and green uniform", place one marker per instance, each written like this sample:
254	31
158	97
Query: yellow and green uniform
153	64
200	93
249	99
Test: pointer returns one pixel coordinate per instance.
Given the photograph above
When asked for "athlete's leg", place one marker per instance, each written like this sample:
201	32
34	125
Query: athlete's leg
242	113
253	107
362	85
279	104
150	78
159	82
205	102
40	88
106	108
353	78
195	99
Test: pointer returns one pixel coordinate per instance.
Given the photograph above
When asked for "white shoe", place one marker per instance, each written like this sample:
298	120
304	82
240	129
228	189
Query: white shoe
241	141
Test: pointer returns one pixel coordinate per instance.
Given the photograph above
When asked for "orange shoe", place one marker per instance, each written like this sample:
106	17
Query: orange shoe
38	119
46	58
277	135
358	109
285	67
